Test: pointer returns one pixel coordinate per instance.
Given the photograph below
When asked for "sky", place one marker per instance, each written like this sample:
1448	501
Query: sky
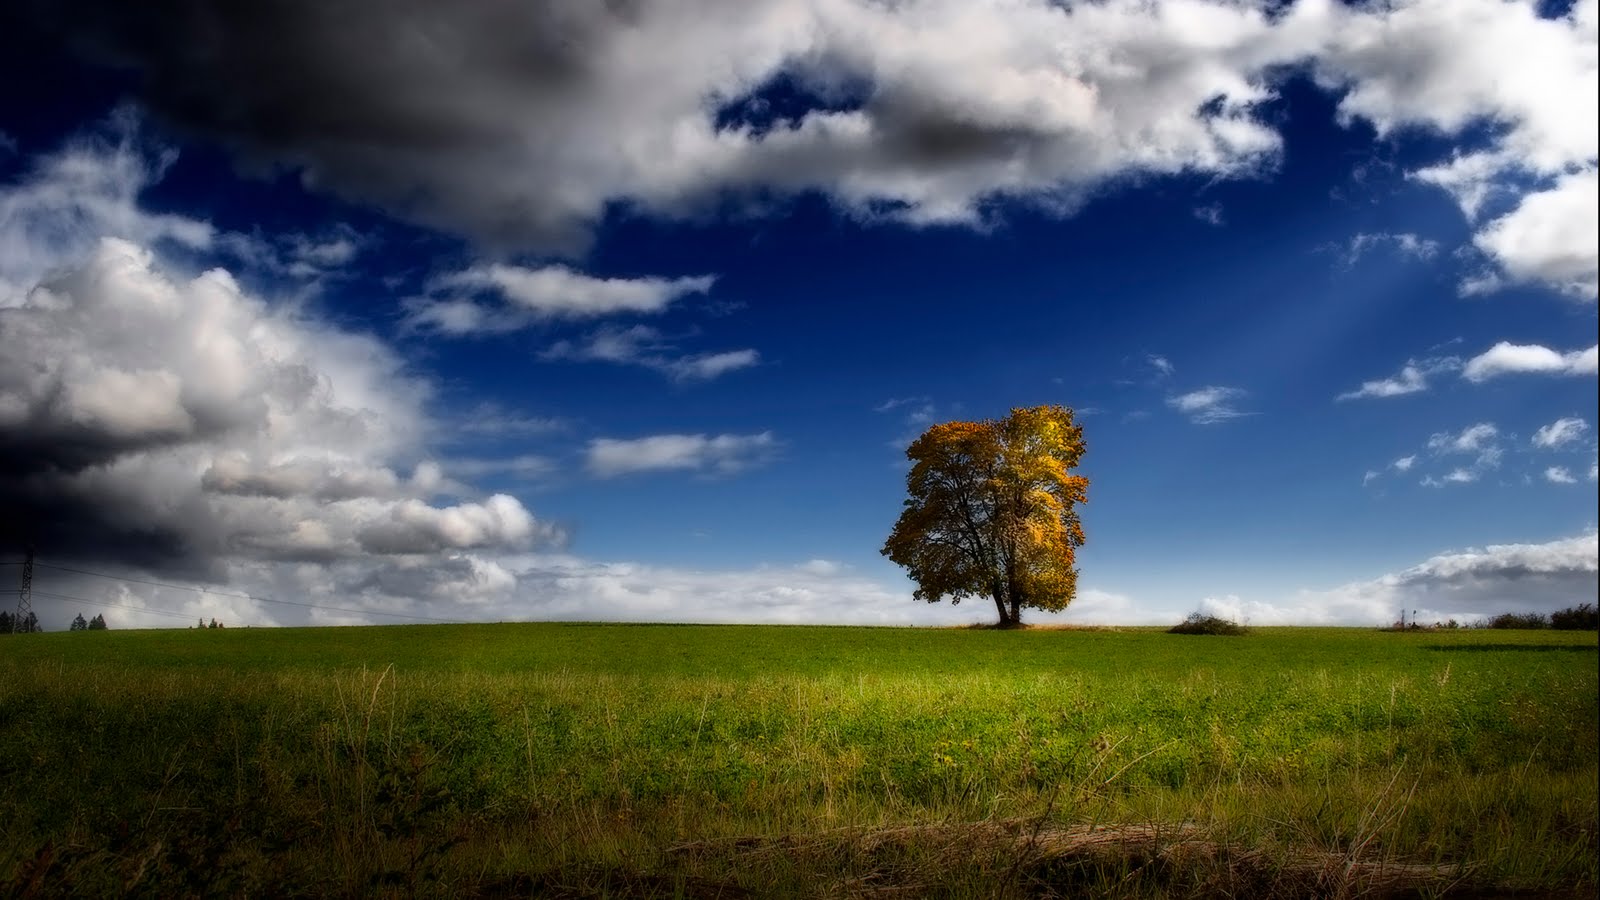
382	312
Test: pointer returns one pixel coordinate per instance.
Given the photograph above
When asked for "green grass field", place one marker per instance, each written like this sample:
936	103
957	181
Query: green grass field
630	760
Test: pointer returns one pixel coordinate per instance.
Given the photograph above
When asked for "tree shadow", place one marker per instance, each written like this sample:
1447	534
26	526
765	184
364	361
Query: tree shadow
1515	648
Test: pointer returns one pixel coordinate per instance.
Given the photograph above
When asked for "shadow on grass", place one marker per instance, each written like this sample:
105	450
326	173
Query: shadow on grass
1515	648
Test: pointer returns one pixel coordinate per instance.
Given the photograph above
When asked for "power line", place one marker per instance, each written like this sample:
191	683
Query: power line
181	587
107	603
201	590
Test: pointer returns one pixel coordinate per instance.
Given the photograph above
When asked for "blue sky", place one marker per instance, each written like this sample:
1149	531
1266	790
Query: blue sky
552	311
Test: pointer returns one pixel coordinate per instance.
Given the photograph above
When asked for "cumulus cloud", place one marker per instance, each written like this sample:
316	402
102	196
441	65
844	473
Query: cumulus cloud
1559	475
1442	65
1209	405
1404	463
1549	238
1411	379
187	426
533	295
1560	433
1506	358
644	346
65	202
715	454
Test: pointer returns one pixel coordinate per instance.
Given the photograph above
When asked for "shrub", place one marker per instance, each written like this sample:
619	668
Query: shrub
1583	617
1198	623
1518	620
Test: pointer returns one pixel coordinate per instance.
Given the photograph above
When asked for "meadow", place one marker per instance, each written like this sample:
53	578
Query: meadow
724	761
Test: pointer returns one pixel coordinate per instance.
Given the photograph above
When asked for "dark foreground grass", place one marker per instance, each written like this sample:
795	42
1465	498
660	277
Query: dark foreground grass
595	760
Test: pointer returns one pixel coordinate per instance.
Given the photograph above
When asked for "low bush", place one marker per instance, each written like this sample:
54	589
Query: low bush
1198	623
1519	620
1583	617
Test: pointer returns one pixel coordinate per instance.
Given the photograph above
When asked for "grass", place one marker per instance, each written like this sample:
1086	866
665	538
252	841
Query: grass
629	760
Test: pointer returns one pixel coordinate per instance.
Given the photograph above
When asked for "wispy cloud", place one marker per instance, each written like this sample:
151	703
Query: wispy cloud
456	303
1480	441
720	454
1560	433
894	403
1404	244
1209	405
644	346
1411	379
1211	215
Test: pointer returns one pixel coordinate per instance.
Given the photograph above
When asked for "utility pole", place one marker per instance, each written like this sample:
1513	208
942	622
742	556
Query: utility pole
24	596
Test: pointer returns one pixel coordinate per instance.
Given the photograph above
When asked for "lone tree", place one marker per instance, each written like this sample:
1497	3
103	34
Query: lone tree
992	512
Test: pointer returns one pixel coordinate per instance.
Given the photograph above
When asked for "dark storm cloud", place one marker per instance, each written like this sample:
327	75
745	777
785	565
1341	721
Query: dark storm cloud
376	100
521	124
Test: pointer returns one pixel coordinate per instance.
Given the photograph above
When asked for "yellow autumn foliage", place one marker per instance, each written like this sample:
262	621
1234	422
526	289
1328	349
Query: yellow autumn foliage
992	511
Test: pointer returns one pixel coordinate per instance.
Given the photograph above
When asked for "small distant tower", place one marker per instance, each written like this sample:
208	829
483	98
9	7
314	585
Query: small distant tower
25	595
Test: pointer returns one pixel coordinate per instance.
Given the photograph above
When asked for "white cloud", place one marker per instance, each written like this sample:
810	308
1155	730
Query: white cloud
1560	433
1404	244
706	366
927	111
1479	441
920	402
719	454
299	256
1404	463
1458	475
1211	215
1411	379
644	346
1443	65
1472	439
538	295
1209	405
1508	358
57	212
1559	475
1552	237
189	426
1371	476
1161	364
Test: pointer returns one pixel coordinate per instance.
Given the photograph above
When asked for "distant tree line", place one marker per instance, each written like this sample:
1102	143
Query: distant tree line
10	625
98	623
1583	617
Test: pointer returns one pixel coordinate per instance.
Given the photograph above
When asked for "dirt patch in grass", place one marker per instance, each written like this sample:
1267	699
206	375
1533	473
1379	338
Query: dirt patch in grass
1027	859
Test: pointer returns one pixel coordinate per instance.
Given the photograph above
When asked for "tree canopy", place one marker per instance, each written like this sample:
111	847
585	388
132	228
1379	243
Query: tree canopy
992	511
